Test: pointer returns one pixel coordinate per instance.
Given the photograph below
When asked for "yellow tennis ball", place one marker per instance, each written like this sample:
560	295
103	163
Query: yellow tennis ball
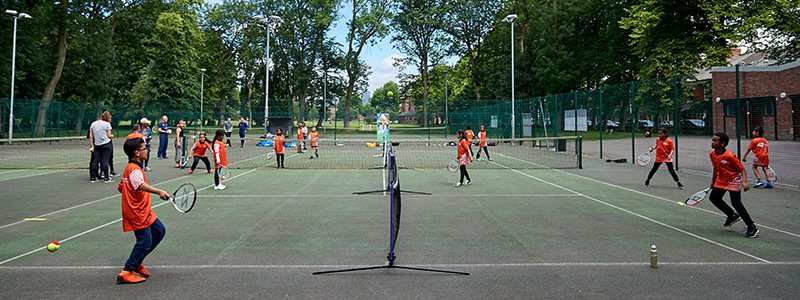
53	246
389	94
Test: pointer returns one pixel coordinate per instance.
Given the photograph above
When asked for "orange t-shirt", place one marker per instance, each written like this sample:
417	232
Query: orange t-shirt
278	145
299	133
134	135
219	153
663	149
728	170
136	210
469	134
314	135
760	146
463	149
482	136
199	149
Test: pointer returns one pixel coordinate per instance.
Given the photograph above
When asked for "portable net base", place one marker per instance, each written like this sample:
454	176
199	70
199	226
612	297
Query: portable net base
393	187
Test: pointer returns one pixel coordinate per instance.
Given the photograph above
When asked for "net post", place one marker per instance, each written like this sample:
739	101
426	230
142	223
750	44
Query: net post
579	149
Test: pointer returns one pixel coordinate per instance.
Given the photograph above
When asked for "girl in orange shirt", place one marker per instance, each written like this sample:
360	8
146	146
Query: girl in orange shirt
482	144
464	157
314	136
199	149
278	146
664	151
729	176
220	158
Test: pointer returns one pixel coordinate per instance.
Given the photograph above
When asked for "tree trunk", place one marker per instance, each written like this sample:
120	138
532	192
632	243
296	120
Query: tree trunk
47	96
347	99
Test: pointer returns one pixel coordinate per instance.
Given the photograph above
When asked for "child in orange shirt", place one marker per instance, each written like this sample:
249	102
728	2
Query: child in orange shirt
220	158
198	151
314	136
760	148
664	150
300	139
729	176
278	147
482	145
464	157
137	215
469	135
136	133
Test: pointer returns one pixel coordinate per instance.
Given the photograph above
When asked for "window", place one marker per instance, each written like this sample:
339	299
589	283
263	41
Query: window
769	109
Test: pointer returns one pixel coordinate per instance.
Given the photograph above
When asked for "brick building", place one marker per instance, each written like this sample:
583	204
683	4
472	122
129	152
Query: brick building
769	97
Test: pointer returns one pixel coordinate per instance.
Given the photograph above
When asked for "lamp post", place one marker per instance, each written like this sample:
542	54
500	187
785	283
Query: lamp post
446	119
202	81
16	16
324	96
270	21
510	19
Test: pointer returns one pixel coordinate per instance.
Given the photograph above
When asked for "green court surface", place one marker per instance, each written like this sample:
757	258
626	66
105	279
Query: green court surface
520	233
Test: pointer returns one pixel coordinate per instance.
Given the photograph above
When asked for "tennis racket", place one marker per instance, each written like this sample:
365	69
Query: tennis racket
697	197
184	159
224	173
453	166
772	176
643	159
183	198
270	154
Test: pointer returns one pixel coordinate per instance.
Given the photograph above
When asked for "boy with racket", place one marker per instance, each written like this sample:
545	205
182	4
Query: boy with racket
729	176
760	148
199	152
464	157
137	215
278	147
314	136
220	158
664	151
482	145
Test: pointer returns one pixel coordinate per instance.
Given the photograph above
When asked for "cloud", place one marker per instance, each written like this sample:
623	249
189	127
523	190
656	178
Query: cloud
383	73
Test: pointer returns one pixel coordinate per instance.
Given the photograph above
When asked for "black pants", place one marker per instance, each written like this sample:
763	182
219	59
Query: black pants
669	168
228	134
736	201
205	161
464	173
484	149
280	160
216	176
100	156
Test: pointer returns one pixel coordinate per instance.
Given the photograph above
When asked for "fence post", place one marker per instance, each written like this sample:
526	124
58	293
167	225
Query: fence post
633	123
675	118
602	122
738	118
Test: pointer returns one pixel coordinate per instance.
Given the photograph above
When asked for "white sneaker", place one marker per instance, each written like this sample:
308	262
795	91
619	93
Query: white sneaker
468	182
478	159
458	184
219	187
490	159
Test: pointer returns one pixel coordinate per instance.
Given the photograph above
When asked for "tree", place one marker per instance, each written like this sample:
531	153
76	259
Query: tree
420	35
366	26
380	97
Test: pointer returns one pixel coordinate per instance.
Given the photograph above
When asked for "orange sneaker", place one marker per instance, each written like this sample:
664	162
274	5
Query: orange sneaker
142	271
129	277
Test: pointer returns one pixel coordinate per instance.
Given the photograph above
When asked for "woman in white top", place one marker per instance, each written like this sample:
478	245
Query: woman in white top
100	137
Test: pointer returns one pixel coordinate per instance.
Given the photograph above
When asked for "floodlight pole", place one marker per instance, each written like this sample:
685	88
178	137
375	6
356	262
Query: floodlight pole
324	95
268	21
15	15
202	81
446	119
510	19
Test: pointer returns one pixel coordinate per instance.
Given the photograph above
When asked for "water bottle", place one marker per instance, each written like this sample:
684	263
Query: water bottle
653	257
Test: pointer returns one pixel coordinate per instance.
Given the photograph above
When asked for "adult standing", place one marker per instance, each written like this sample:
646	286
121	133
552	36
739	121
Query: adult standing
163	137
144	126
228	127
242	130
100	136
179	142
305	135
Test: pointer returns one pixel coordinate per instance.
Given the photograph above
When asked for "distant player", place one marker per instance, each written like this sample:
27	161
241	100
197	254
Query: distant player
220	158
148	134
664	151
313	136
470	136
482	144
199	152
300	138
242	130
278	147
228	127
464	157
305	134
729	176
137	215
136	133
760	148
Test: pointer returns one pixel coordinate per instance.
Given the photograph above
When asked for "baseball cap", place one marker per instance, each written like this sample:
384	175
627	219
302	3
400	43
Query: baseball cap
144	120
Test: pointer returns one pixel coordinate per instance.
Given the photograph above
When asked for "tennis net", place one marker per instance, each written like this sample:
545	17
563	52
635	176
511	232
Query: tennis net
527	153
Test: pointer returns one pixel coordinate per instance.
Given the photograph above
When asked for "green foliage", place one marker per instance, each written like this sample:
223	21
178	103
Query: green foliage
380	97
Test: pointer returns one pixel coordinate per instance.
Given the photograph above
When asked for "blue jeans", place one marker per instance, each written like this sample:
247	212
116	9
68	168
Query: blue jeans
146	241
162	145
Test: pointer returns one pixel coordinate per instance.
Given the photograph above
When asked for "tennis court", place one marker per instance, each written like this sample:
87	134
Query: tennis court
522	230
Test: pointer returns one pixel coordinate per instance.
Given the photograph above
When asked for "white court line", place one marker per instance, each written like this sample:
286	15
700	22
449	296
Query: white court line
589	264
106	224
351	195
640	216
32	175
673	201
